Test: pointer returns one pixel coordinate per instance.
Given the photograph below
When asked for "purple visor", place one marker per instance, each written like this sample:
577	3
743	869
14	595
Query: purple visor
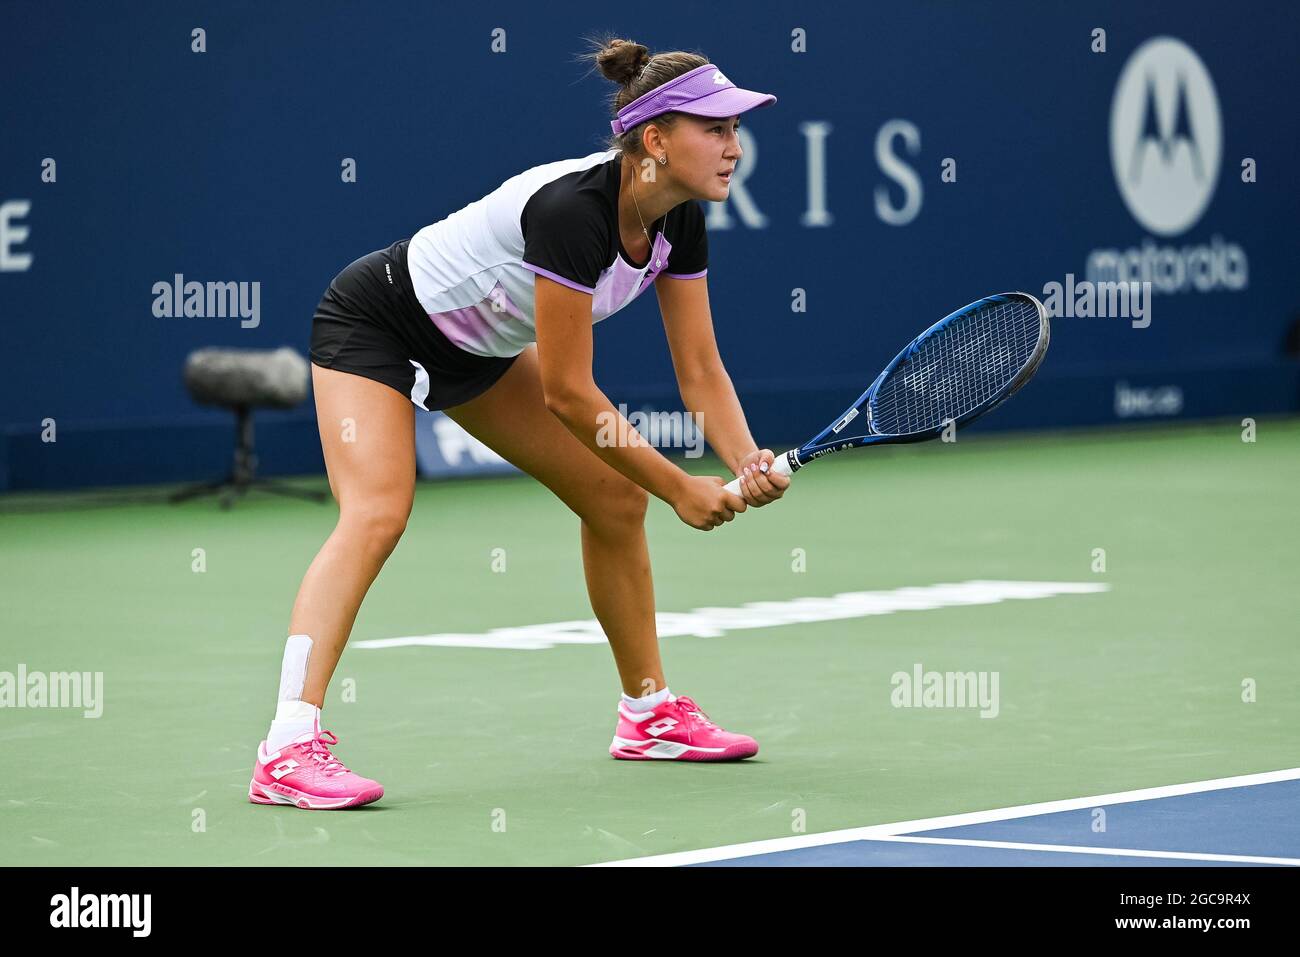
703	91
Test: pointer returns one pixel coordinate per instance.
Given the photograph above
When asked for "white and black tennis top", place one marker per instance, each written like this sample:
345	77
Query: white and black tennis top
474	271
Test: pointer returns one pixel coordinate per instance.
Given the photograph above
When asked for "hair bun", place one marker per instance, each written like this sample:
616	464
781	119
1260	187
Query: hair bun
622	60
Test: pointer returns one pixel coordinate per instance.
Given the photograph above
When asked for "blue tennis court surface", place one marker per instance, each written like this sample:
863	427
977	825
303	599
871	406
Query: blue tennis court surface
1252	825
1244	820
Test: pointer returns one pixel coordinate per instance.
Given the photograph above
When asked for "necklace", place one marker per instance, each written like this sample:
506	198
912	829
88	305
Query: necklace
645	231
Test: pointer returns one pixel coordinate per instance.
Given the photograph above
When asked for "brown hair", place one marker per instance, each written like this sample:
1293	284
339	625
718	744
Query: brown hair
637	72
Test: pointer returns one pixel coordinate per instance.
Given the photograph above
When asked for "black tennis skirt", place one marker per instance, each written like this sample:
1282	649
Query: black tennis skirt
370	323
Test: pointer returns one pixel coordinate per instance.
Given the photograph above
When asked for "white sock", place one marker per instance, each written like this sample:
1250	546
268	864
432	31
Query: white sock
648	702
292	720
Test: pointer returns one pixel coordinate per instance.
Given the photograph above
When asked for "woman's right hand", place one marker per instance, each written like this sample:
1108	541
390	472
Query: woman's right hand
703	503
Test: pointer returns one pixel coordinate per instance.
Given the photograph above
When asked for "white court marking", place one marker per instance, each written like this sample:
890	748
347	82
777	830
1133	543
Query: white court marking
713	622
900	828
1093	849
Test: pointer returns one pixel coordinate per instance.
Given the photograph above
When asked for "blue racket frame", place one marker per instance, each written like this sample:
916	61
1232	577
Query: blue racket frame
831	440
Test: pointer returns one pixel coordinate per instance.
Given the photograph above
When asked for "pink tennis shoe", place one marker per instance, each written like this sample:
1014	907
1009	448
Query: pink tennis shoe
306	775
677	730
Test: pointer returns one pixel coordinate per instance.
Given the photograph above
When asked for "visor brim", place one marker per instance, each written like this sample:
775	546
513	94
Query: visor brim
729	102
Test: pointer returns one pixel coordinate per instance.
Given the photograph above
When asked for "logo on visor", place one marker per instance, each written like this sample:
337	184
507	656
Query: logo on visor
1166	136
719	79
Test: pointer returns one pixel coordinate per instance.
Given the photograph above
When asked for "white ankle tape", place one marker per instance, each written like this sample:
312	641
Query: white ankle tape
293	669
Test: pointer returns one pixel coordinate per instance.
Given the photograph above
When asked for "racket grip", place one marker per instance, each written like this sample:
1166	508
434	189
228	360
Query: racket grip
780	466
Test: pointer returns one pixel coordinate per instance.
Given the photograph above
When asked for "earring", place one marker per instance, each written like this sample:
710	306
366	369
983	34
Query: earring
663	160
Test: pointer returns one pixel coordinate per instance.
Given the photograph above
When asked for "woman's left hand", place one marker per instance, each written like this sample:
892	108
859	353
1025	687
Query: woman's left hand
759	485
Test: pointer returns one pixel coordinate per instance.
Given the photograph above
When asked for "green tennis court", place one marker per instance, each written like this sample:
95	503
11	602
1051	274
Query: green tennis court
493	755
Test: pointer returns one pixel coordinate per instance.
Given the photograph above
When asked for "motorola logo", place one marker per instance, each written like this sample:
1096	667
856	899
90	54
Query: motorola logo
1166	136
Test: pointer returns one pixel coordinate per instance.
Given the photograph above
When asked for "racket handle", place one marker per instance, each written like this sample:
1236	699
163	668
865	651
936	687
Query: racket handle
780	466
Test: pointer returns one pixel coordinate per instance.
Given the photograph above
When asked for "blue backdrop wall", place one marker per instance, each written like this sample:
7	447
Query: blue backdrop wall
920	155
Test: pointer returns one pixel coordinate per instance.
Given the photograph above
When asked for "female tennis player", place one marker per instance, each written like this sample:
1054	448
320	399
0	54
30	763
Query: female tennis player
488	316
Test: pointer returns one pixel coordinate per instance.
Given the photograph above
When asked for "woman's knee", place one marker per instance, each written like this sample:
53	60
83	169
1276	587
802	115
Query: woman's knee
377	524
616	506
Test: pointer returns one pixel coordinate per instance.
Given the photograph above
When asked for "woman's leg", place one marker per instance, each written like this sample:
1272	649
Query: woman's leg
367	431
512	419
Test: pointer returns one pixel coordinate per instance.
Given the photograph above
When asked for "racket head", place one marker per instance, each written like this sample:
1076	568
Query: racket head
965	365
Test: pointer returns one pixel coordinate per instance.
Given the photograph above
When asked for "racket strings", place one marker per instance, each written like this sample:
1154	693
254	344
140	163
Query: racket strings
966	364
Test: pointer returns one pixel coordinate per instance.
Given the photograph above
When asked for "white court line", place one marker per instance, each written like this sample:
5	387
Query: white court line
731	851
1090	849
714	621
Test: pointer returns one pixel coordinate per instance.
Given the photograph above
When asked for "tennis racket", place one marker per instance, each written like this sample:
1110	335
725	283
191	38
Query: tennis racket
963	366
